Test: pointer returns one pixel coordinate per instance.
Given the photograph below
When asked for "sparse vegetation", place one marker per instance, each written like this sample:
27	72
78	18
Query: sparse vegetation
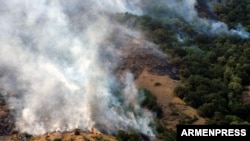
98	138
188	120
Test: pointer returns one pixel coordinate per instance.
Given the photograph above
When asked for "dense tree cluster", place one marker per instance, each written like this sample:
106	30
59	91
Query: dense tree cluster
233	12
215	79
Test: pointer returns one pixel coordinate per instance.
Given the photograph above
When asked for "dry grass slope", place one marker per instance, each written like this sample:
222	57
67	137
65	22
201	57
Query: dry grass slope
70	136
174	109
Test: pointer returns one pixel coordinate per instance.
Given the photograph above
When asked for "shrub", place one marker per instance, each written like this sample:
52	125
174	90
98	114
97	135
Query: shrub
128	136
157	84
77	132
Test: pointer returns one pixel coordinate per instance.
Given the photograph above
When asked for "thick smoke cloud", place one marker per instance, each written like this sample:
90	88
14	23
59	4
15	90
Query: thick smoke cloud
56	66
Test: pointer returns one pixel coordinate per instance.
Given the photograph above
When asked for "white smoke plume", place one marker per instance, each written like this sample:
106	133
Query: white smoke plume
56	63
186	10
56	66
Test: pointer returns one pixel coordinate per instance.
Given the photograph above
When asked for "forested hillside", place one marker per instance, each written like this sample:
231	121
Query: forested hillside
213	68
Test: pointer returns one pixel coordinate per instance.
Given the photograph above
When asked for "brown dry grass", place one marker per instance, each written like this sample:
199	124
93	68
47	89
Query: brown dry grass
70	136
174	109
